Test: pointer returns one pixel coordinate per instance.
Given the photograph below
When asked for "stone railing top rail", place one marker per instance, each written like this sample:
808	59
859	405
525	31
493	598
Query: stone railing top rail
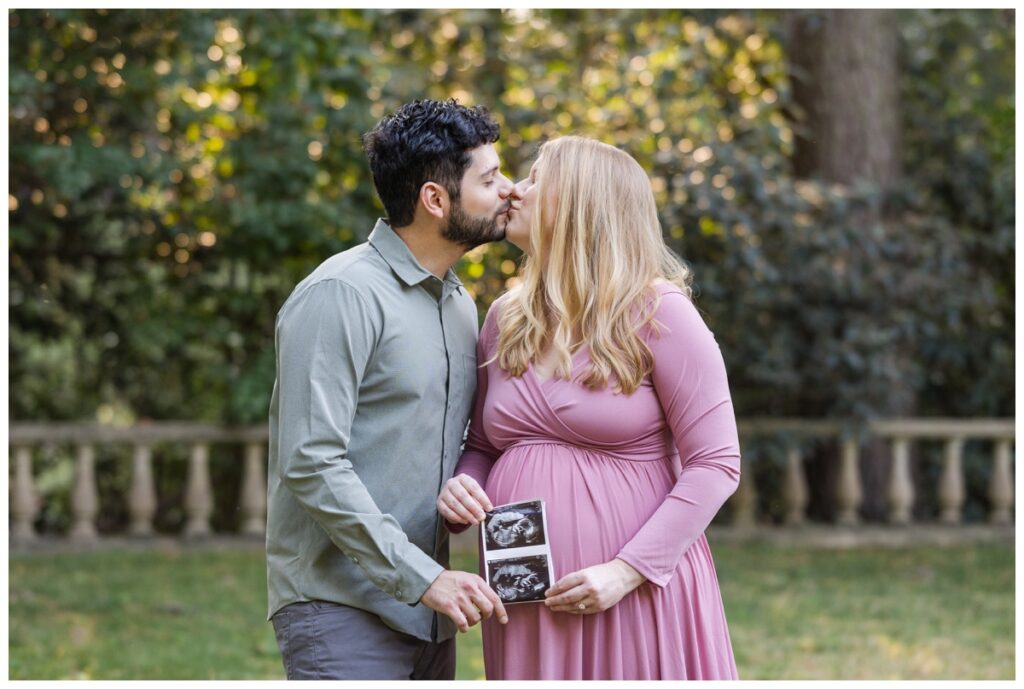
177	431
162	431
892	428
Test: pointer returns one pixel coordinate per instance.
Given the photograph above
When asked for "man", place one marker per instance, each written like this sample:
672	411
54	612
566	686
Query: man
376	371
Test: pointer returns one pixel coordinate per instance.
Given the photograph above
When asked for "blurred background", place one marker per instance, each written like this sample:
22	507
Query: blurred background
840	182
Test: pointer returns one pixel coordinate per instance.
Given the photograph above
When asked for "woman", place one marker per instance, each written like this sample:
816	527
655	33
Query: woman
604	394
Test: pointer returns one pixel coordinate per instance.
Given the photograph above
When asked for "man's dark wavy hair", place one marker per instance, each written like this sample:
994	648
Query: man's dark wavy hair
424	141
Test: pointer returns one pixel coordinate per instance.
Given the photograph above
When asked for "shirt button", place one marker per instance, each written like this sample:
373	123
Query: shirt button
355	559
398	593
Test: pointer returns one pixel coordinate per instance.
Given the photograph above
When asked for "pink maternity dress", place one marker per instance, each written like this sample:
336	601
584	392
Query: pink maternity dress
637	477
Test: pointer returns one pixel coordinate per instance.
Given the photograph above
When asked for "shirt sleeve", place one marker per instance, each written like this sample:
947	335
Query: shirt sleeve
325	341
690	380
478	454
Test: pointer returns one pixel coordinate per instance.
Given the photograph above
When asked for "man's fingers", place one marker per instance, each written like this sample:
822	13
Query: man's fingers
483	604
477	492
498	606
471	612
458	618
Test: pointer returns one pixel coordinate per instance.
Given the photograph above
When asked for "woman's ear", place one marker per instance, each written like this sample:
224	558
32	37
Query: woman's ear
434	198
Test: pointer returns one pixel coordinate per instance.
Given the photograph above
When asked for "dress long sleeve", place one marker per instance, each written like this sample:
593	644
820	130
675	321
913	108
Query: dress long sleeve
690	380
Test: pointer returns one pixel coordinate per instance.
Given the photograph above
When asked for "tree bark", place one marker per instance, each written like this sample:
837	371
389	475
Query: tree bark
846	80
845	72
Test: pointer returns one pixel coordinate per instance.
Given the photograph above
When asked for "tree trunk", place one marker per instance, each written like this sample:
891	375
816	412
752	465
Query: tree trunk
846	85
846	79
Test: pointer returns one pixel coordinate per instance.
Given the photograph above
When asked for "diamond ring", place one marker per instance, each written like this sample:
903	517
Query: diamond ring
581	605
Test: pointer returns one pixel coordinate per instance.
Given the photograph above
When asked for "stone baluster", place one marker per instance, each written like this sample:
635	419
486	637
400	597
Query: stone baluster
254	492
142	495
198	494
901	487
849	493
1001	486
951	484
24	501
794	488
84	497
745	497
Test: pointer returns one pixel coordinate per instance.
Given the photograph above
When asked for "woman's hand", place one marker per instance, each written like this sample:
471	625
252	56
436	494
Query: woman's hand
463	501
595	588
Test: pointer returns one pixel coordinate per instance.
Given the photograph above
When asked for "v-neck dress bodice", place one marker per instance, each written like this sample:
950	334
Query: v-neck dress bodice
636	477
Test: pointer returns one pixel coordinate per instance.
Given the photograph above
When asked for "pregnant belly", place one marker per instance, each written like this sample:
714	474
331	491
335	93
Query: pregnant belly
594	503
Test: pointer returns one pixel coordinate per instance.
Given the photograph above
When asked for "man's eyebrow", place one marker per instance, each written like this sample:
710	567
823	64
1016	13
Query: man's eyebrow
490	172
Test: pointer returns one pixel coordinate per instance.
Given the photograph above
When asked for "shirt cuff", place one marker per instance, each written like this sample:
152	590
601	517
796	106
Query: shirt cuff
412	580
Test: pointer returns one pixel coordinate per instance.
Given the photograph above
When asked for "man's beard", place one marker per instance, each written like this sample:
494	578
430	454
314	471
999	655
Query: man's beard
471	231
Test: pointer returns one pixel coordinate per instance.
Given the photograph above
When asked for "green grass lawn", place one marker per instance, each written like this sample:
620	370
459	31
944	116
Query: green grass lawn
915	613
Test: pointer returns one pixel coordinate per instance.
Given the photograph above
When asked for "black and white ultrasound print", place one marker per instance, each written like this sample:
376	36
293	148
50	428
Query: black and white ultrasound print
520	579
517	555
515	526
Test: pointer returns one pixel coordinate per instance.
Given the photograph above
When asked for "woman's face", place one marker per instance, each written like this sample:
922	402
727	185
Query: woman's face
517	231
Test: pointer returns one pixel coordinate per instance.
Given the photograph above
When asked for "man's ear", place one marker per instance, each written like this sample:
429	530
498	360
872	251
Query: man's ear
434	198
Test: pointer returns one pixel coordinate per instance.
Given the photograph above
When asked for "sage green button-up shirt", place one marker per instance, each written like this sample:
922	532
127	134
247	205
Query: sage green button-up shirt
376	370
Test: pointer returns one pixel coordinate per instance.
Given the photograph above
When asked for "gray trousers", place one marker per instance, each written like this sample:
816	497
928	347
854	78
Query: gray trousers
322	640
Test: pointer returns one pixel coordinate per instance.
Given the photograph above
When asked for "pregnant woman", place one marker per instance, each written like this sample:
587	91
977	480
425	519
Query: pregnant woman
604	394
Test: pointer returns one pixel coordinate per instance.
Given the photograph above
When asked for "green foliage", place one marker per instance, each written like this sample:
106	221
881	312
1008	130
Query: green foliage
959	139
174	173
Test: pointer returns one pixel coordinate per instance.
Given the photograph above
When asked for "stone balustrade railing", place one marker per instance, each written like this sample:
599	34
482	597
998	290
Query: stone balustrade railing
900	433
142	498
199	500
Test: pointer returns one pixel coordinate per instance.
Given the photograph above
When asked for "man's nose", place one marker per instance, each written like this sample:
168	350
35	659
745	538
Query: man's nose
506	187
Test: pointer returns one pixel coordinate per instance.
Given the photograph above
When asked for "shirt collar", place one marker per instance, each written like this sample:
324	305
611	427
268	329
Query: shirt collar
397	255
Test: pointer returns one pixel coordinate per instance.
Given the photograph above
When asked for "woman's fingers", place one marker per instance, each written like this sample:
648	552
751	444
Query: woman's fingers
466	500
565	583
444	507
474	489
570	598
454	506
568	592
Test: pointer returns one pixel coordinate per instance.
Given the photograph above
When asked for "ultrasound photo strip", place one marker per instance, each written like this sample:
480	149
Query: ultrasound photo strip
517	556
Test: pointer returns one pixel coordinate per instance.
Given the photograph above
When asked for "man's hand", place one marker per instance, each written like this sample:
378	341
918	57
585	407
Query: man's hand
465	598
463	501
596	588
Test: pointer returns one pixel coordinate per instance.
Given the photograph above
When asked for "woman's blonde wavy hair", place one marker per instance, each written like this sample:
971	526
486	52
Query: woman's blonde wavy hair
592	276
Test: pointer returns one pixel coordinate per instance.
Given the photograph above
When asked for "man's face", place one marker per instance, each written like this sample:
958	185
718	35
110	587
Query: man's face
480	214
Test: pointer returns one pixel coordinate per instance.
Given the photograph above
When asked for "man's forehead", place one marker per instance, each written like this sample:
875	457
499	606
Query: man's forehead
483	157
